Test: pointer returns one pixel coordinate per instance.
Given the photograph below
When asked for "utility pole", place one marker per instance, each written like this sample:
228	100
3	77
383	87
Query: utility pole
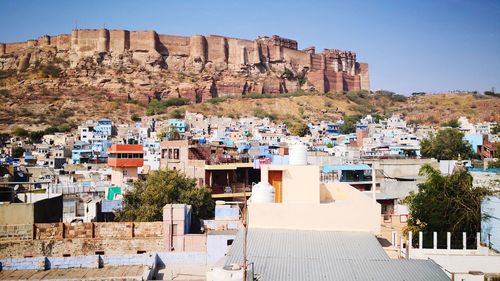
245	226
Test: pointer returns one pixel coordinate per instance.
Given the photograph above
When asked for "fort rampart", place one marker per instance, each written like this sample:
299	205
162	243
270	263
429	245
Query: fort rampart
332	69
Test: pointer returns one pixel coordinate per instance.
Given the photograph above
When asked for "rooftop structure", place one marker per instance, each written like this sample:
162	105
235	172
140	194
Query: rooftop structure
124	160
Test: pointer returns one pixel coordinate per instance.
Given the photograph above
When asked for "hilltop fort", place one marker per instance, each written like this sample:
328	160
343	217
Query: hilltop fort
226	66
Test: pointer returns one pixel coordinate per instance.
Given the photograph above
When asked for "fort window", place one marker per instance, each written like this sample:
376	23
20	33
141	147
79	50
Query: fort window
100	253
229	242
141	252
66	255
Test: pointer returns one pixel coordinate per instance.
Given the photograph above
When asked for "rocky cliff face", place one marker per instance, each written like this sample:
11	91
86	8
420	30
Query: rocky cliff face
145	65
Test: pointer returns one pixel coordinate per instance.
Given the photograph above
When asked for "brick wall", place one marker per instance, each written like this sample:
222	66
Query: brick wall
79	247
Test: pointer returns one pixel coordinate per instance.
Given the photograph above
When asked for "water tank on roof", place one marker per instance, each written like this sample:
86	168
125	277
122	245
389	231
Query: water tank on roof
262	192
297	154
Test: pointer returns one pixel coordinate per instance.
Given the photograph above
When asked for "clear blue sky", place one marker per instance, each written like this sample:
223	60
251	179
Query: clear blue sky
424	45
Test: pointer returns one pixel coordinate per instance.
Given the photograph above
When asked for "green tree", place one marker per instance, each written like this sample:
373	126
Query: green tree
446	203
447	144
20	132
349	125
298	129
17	152
173	133
145	201
496	129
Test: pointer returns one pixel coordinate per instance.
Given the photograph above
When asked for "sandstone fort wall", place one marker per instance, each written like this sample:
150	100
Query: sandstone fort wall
175	45
330	70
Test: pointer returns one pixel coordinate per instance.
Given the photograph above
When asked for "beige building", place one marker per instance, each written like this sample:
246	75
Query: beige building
302	202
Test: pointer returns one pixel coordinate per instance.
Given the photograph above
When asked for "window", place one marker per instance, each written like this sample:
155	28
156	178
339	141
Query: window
99	253
125	173
387	218
229	242
403	218
173	153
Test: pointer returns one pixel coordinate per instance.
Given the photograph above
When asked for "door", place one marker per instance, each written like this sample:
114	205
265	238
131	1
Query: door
275	179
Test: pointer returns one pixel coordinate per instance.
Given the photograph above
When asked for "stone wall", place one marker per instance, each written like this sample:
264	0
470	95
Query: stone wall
364	77
15	47
58	239
143	40
176	45
214	53
101	230
79	247
16	232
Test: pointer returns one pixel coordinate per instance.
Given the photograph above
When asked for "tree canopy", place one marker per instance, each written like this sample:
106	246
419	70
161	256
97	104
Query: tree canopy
349	125
298	129
447	144
145	201
445	203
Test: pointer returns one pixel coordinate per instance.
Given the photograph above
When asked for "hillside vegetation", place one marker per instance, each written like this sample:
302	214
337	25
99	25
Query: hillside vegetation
40	109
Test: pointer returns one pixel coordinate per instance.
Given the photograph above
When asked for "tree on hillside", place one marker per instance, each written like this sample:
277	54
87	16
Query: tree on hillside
298	129
145	201
446	203
20	132
349	125
447	144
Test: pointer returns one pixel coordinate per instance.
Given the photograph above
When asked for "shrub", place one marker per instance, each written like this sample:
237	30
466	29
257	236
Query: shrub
288	74
7	73
135	117
453	123
20	132
51	70
4	93
216	100
177	113
261	113
157	106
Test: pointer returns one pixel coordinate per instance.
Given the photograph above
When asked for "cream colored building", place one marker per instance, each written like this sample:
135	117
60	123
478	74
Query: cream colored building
302	202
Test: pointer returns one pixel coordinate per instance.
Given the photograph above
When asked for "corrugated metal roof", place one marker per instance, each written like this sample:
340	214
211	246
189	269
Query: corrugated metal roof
325	255
359	167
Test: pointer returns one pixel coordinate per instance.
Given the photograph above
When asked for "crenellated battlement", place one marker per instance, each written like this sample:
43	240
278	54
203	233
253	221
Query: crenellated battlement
198	51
